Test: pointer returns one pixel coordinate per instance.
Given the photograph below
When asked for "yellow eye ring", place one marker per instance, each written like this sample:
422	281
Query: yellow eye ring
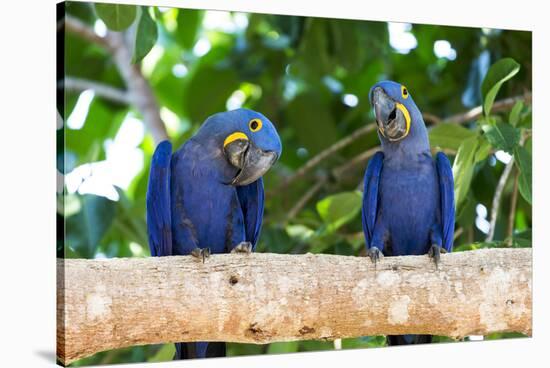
255	125
404	92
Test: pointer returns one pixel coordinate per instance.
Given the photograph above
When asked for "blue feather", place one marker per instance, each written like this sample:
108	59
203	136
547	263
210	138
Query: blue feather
251	198
370	196
158	202
190	203
408	202
446	190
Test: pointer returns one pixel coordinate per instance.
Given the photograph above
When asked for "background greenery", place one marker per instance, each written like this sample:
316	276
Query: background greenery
311	77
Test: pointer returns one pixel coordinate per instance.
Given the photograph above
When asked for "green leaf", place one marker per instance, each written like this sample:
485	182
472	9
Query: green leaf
500	72
524	163
283	347
310	115
117	17
313	59
100	123
483	150
86	228
515	113
523	239
502	136
188	21
338	209
202	99
526	119
165	353
146	35
299	231
449	135
463	168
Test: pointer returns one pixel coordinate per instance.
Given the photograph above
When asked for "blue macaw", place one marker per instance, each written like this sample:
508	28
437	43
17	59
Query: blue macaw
408	199
208	197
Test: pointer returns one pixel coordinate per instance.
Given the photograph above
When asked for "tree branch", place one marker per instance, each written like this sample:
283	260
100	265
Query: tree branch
100	89
513	206
498	106
495	206
139	91
311	192
356	161
81	29
261	298
317	159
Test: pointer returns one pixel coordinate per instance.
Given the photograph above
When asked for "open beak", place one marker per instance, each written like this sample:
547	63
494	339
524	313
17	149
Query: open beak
251	161
393	118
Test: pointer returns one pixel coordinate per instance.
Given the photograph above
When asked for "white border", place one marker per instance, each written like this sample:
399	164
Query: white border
27	182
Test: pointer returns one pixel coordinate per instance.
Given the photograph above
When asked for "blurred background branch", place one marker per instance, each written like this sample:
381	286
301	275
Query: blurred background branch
139	91
102	90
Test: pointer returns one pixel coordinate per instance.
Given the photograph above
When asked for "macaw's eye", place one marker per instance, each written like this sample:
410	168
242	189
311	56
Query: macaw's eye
255	125
404	92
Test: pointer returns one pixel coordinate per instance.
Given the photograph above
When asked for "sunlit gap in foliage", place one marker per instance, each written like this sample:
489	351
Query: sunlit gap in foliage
236	100
202	47
245	92
480	65
225	21
443	49
291	88
174	124
78	115
124	160
100	28
503	157
333	84
137	250
179	70
481	219
302	152
401	38
350	100
149	63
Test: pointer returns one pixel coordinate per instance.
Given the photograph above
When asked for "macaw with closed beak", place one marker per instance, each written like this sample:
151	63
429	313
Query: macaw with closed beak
208	196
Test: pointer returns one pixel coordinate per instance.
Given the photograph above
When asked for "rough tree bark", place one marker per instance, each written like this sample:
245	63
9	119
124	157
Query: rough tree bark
261	298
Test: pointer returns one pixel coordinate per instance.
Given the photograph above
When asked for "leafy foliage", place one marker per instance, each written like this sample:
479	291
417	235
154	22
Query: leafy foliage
499	73
117	17
146	35
311	77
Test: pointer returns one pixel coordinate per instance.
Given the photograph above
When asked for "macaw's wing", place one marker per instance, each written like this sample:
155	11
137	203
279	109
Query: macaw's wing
446	190
370	195
251	198
159	224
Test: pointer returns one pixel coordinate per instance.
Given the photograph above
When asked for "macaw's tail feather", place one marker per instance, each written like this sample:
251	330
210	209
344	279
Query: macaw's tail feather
159	223
194	350
408	339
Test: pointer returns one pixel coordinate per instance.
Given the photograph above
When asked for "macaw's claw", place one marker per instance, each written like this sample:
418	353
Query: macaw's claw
374	254
201	253
435	253
243	247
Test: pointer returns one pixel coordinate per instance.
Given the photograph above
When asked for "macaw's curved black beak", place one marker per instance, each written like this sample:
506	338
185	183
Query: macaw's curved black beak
251	161
392	118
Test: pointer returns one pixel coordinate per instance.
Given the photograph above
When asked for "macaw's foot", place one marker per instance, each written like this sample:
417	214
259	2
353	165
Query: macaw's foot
375	254
435	253
243	247
201	253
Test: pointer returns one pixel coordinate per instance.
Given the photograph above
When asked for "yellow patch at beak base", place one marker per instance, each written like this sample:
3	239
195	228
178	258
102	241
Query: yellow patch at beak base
406	115
233	137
